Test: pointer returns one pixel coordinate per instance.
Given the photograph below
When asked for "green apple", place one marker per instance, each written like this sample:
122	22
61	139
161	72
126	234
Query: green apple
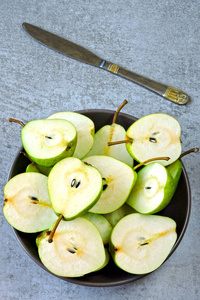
48	141
153	189
77	248
85	131
118	181
110	133
27	206
102	225
74	187
141	243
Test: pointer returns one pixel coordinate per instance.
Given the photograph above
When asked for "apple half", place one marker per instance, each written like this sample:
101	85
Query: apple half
141	243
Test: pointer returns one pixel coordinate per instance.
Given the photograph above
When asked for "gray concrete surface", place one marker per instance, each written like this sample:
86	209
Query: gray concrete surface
158	39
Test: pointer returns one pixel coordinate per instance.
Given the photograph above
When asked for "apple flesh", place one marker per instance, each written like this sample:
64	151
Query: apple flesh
141	243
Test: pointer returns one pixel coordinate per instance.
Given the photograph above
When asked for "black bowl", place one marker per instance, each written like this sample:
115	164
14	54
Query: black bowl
178	209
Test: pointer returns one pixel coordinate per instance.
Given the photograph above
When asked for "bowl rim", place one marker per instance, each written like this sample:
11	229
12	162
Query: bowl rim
76	280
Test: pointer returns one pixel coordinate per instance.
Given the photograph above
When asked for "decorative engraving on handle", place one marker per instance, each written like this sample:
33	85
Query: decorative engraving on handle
176	95
113	68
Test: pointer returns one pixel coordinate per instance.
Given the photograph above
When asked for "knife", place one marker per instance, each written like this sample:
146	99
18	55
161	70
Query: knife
77	52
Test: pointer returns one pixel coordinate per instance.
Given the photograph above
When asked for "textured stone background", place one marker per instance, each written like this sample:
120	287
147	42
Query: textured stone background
158	39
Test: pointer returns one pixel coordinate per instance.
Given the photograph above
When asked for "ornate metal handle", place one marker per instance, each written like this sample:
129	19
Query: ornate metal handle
163	90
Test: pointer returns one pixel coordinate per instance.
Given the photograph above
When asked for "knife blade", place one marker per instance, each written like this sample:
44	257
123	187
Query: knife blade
79	53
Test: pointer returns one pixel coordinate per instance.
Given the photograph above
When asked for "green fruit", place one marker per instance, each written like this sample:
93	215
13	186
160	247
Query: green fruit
48	141
102	225
85	131
154	135
139	244
74	187
118	181
153	189
77	249
27	206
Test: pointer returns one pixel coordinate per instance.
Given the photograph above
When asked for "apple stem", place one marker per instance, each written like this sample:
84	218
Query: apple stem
151	160
120	142
195	150
50	239
118	110
16	121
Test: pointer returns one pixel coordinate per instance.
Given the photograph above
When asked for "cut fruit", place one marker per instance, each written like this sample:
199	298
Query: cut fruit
48	141
153	136
109	133
114	217
118	181
27	206
175	169
74	187
102	225
33	167
77	249
153	189
85	131
141	243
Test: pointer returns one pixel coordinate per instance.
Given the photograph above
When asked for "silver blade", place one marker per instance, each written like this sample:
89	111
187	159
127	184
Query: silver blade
62	45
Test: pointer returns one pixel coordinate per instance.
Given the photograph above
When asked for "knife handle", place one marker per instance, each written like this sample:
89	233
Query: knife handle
163	90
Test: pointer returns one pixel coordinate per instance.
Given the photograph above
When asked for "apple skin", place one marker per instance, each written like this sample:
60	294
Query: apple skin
168	191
